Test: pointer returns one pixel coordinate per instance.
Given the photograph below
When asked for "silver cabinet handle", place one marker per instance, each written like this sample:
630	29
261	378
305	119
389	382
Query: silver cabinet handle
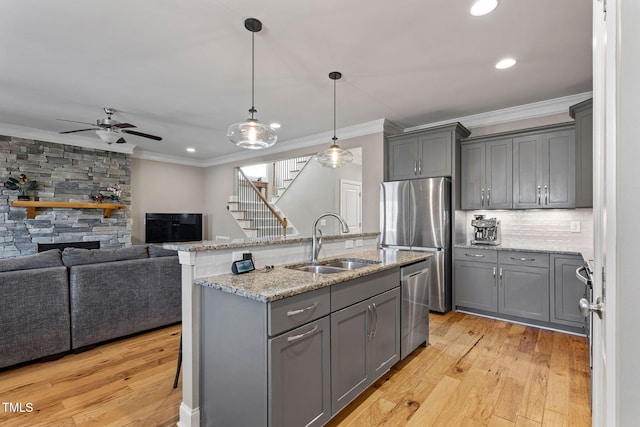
500	276
420	167
538	194
523	259
494	277
302	310
300	336
494	272
488	197
375	327
370	321
474	255
482	197
546	195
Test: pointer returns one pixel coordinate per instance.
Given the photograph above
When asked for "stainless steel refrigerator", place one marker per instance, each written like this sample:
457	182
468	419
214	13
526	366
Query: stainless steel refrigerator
416	215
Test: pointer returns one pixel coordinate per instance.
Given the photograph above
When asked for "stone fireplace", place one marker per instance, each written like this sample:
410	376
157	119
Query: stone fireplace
64	173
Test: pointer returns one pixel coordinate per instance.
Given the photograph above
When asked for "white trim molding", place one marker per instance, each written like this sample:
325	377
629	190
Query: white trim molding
505	115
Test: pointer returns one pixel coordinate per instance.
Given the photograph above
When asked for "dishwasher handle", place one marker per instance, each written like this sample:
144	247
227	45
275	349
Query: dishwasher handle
423	271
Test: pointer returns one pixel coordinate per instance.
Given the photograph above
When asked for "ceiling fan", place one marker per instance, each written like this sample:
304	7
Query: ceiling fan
110	130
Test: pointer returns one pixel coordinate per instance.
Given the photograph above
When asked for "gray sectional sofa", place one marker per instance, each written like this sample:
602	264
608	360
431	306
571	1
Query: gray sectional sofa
54	301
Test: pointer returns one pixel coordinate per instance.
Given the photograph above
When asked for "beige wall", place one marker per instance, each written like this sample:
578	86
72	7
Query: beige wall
219	184
164	187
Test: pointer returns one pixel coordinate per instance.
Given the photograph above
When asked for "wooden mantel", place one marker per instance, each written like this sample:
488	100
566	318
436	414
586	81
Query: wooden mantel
33	205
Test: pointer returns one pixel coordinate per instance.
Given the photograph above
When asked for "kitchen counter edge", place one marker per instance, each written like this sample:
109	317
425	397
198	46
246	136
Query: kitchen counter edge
282	282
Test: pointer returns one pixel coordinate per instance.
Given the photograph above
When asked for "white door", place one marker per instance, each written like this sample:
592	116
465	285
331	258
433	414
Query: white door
351	204
604	212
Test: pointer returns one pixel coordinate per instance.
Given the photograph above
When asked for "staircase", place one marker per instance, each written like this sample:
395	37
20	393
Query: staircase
285	172
255	221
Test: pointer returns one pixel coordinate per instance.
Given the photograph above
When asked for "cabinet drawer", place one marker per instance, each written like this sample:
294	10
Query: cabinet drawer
356	290
292	312
473	254
531	259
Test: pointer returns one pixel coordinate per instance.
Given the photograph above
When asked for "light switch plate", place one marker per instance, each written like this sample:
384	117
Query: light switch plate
575	226
359	243
348	244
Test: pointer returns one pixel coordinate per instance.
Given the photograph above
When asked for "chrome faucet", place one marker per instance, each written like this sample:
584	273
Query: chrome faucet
316	242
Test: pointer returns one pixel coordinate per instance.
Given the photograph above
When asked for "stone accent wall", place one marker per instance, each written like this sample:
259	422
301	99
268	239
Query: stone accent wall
64	173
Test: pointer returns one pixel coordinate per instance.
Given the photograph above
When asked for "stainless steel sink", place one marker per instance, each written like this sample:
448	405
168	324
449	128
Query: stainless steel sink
349	263
317	269
334	266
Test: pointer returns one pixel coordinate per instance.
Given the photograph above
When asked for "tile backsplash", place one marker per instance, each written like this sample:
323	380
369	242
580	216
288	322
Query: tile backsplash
519	228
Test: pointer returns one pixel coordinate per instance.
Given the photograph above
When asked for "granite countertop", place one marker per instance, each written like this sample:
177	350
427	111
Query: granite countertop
586	253
281	282
208	245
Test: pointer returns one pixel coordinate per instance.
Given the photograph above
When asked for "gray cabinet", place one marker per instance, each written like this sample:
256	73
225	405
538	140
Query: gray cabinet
365	343
486	174
507	283
567	291
583	115
424	153
544	170
523	285
300	380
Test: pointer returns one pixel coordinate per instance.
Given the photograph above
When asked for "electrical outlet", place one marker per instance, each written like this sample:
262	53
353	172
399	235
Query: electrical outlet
323	222
575	226
348	244
359	243
236	256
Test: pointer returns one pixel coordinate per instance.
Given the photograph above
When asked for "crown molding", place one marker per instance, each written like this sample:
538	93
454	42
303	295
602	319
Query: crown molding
527	111
56	138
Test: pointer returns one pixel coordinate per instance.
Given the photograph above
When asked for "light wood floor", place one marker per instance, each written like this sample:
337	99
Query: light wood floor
476	372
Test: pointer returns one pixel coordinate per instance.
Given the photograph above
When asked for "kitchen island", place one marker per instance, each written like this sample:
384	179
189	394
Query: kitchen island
216	303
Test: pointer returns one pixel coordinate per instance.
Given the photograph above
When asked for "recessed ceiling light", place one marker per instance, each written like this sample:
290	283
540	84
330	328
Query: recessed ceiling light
191	150
505	63
274	125
483	7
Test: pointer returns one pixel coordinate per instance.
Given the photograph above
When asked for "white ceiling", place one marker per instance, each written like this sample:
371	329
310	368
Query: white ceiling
182	69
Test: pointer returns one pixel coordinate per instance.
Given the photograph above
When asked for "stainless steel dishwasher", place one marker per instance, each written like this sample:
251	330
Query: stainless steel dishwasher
415	307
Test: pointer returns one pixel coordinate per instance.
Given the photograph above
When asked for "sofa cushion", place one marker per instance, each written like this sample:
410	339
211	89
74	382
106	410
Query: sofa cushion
45	259
77	256
156	251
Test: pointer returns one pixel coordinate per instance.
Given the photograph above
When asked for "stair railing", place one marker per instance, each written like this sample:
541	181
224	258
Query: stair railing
282	172
266	220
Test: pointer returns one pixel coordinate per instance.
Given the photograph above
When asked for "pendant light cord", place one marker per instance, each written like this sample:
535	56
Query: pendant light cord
253	108
334	139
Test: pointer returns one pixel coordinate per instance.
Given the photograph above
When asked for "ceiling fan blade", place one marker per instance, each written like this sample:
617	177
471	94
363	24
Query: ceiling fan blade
123	125
74	121
79	130
144	135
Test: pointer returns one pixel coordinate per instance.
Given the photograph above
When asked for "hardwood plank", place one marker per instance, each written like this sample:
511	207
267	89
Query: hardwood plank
476	372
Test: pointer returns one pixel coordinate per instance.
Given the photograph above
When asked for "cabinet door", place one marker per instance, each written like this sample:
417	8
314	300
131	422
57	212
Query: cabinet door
435	155
559	172
350	328
475	285
584	156
527	172
524	292
498	177
403	158
472	173
384	348
300	375
567	290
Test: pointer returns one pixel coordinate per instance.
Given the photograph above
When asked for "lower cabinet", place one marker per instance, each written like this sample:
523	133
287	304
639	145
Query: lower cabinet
300	381
365	343
532	287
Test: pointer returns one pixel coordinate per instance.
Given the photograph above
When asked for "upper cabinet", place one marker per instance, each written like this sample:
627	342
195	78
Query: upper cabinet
486	174
583	115
527	169
544	170
424	153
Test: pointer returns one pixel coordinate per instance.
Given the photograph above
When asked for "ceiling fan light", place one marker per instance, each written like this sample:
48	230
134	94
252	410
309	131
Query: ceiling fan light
334	157
252	135
109	136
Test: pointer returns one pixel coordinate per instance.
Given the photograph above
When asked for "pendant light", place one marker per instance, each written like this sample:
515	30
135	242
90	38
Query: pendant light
251	133
334	156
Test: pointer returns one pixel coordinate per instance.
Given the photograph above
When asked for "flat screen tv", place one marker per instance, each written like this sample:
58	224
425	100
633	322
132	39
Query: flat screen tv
173	227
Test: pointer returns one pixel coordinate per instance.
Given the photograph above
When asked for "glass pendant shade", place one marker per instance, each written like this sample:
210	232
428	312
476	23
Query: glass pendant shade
335	157
109	136
252	135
